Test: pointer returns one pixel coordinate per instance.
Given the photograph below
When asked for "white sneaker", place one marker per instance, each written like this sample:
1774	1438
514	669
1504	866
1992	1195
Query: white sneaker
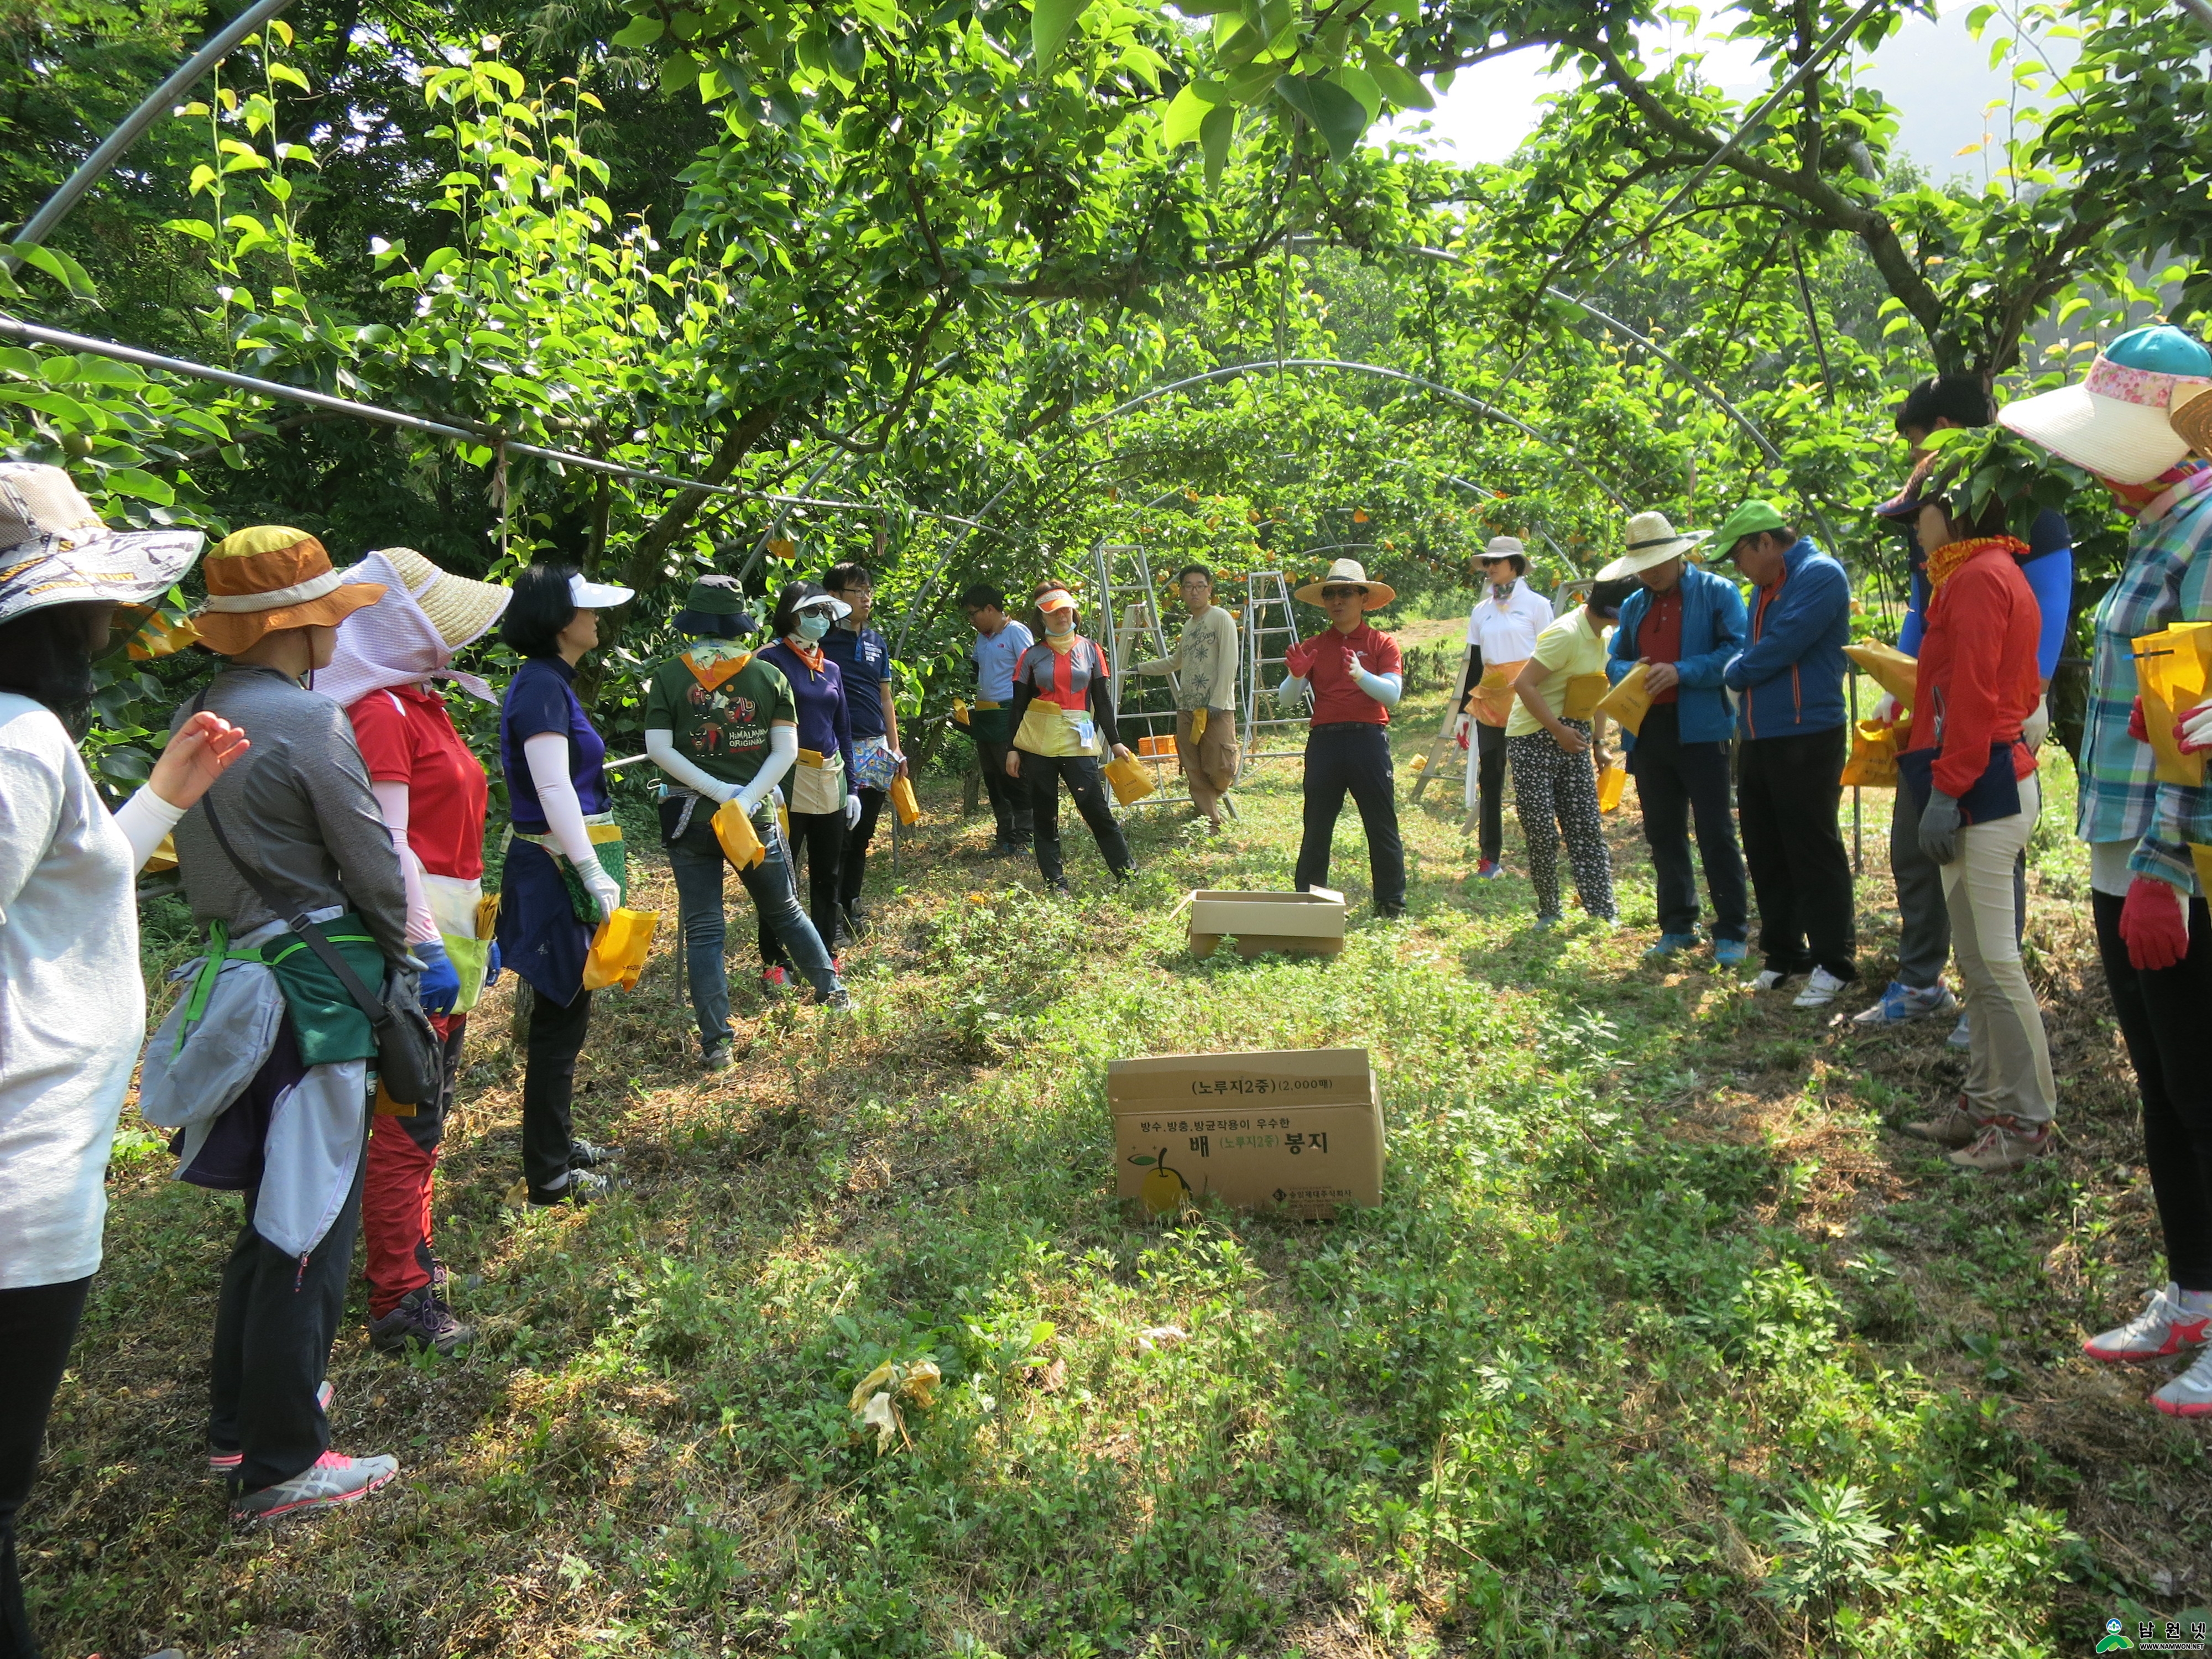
2164	1327
1819	990
2189	1395
1771	979
329	1481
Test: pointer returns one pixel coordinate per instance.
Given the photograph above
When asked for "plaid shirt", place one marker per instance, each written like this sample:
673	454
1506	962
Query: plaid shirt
2168	579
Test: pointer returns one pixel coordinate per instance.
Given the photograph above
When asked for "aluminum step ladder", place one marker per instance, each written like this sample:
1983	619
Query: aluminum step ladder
1270	630
1447	762
1131	630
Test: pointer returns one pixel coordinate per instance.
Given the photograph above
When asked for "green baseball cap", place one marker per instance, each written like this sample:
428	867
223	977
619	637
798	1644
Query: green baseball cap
1749	520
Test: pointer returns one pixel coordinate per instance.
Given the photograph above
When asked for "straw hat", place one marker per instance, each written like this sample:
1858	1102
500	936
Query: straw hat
2115	422
1350	572
2191	416
1652	540
55	551
461	610
1504	547
269	578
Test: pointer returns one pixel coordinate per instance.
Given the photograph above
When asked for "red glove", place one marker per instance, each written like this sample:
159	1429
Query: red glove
2137	729
2153	924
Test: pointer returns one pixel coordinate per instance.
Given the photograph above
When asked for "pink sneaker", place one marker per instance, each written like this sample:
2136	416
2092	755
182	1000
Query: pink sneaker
2164	1327
331	1480
224	1465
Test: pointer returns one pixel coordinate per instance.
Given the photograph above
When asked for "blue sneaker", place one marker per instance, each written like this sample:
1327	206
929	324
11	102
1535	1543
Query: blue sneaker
1900	1004
1731	952
1670	945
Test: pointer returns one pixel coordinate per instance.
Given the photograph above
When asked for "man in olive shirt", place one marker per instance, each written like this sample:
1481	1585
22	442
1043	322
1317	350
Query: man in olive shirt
723	726
1205	661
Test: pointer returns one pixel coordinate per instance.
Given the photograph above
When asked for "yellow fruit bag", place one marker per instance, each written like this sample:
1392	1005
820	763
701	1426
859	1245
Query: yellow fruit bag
1627	702
1131	781
1887	667
1612	783
1584	693
1873	762
618	950
2172	667
903	803
741	843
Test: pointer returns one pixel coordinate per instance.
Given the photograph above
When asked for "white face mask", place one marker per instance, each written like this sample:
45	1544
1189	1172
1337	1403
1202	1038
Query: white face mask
1060	623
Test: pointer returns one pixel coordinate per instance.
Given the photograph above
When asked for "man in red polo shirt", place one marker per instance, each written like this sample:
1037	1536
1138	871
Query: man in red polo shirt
1354	674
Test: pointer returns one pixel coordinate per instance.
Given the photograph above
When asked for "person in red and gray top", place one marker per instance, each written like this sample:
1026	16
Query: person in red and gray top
1355	675
1971	783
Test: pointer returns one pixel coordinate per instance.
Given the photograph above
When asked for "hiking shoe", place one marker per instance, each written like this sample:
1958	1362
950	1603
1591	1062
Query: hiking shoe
1772	979
1671	944
581	1188
1900	1004
332	1480
1730	952
1819	990
2189	1395
1489	870
2005	1144
224	1465
589	1155
423	1320
1545	924
718	1056
839	1001
1953	1127
2164	1327
775	982
1962	1034
1389	911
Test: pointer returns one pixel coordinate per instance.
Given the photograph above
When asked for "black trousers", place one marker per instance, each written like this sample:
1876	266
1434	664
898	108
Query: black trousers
37	1323
275	1320
1041	776
549	1088
1490	784
819	839
2162	1020
1787	794
1676	782
855	869
1009	801
1352	756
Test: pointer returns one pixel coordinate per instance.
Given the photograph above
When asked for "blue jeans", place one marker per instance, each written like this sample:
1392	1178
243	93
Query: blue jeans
697	859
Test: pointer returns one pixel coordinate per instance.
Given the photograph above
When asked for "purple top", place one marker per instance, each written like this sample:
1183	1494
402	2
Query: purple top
539	699
825	724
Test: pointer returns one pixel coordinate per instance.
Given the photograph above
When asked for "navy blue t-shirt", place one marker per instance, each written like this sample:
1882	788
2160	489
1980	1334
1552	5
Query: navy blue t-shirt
2049	568
865	659
540	699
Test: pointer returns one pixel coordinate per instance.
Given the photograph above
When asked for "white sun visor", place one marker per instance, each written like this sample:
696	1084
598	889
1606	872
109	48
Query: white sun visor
597	596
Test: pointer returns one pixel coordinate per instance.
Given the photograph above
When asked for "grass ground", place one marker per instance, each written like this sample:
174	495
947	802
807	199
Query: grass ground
1663	1341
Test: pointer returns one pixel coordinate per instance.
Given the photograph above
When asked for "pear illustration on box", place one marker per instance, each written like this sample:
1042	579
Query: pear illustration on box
1164	1188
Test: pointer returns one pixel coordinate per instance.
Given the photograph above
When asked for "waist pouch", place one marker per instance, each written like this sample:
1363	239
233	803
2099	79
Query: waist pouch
614	858
817	785
1996	793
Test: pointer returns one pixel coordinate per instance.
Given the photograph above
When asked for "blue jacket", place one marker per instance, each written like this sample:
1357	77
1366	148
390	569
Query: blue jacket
1712	632
1791	678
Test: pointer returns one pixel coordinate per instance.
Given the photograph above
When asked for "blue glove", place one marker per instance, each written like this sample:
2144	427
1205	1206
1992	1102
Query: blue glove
440	983
491	966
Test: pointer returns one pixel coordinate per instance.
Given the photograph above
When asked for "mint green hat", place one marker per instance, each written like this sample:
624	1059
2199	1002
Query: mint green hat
1748	519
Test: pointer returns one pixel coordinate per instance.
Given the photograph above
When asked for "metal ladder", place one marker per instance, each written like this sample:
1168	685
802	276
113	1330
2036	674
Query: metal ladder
1130	629
1270	630
1447	762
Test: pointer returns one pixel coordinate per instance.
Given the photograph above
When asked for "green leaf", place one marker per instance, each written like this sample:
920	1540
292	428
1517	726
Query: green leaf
57	405
1185	113
439	259
137	481
639	32
1051	21
1361	85
1213	135
1332	112
199	227
16	360
1400	87
104	371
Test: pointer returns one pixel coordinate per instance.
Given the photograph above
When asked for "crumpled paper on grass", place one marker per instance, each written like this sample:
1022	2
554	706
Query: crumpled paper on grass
877	1401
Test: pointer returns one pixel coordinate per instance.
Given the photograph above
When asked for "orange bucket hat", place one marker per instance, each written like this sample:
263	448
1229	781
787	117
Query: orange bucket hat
269	578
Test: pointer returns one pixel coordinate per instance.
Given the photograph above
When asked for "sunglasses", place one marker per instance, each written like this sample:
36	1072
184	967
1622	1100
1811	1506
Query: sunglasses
1344	592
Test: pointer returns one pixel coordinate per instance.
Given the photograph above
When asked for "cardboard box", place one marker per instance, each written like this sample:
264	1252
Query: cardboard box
1295	1131
1303	924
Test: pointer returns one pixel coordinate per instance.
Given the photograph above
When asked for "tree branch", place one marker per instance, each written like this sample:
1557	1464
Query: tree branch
643	569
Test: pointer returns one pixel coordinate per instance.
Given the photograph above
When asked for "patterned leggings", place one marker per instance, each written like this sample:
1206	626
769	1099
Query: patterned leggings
1551	785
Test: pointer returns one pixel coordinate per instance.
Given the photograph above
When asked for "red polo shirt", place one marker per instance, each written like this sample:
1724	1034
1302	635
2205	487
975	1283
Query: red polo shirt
1659	635
1325	660
407	737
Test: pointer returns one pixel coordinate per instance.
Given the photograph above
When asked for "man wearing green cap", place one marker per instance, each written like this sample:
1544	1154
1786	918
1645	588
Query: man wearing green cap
1788	683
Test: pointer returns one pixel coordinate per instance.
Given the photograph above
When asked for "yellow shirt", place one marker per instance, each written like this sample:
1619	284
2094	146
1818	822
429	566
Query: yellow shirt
1564	651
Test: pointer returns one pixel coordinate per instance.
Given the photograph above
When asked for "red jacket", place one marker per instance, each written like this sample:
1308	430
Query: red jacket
1978	676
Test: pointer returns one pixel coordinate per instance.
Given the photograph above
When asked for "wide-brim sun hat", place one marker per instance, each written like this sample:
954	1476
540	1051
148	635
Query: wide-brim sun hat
1504	547
1350	572
269	578
2192	418
598	596
461	609
2115	421
1652	540
55	551
715	608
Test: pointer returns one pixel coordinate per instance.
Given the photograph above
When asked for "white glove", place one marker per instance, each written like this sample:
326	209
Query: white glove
2036	727
1886	711
1292	690
851	811
2193	731
1460	723
601	886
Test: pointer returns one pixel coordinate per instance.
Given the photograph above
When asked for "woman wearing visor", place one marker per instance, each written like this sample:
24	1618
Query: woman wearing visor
564	868
823	803
1063	717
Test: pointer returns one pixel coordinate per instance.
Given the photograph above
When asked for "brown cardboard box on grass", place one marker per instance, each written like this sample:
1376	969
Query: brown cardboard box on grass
1298	1131
1301	924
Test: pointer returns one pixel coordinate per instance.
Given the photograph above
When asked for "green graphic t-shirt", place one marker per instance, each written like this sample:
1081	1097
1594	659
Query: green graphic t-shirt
719	711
